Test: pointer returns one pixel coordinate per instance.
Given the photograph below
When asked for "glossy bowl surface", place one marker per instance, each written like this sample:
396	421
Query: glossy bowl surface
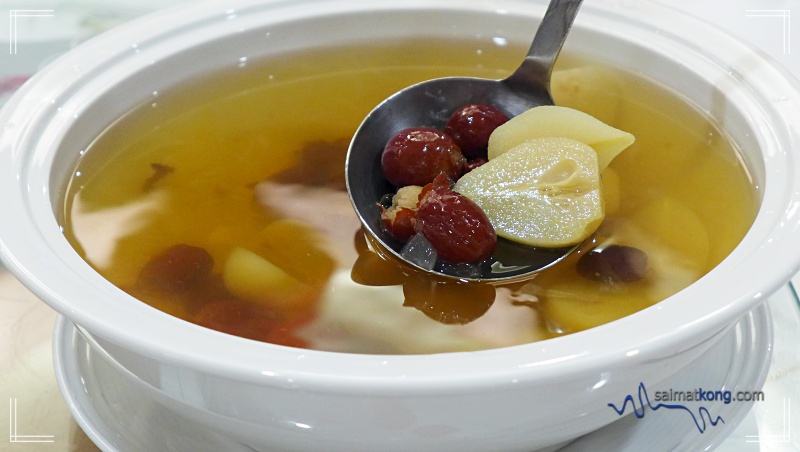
515	398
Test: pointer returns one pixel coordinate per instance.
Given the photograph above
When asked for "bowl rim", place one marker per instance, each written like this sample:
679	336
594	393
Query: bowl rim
32	246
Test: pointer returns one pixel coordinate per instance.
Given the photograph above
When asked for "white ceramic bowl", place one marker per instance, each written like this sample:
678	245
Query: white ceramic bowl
277	398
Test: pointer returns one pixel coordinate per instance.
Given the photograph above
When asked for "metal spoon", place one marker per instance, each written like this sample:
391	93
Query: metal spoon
430	104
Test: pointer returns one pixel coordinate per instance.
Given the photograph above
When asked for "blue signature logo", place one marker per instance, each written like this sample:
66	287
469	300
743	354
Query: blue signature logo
702	412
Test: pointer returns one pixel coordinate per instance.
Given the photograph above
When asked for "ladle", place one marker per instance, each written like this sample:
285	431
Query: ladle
430	104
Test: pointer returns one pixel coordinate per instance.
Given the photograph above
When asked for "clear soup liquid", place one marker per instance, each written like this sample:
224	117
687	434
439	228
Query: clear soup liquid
245	169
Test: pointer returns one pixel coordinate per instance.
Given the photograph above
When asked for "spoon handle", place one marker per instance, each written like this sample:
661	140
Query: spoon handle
534	72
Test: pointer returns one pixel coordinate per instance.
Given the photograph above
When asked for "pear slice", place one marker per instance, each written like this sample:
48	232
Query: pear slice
544	192
557	121
250	276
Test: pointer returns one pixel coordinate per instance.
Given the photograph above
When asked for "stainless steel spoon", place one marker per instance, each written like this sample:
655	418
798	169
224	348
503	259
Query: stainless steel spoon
430	104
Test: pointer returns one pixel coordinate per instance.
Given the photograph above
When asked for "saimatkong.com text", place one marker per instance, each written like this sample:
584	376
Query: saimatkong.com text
702	395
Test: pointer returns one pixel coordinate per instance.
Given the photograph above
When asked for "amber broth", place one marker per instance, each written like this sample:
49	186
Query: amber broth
680	193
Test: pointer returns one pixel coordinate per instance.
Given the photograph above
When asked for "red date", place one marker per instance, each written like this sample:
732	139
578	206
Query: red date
416	156
471	125
457	228
239	318
177	268
613	264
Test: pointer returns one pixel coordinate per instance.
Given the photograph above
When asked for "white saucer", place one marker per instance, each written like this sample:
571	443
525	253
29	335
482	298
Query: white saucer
117	416
112	408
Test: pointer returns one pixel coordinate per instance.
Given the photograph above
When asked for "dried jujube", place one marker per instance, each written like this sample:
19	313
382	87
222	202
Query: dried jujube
417	155
457	228
613	264
471	125
177	268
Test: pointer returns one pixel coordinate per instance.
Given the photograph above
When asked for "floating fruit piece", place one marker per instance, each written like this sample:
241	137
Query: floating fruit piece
569	303
677	227
250	276
557	121
578	305
545	192
297	249
593	89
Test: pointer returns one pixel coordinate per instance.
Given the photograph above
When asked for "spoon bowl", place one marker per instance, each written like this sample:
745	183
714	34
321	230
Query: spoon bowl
430	104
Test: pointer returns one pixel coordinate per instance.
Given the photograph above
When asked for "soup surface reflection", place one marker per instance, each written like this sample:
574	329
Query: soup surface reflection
223	203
